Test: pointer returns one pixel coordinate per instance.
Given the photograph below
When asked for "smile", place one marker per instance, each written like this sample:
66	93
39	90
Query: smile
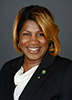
34	50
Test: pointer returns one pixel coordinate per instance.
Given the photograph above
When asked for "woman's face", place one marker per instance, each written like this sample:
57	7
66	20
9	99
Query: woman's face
32	41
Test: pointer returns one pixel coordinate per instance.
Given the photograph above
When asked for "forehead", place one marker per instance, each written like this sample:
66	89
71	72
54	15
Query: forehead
31	26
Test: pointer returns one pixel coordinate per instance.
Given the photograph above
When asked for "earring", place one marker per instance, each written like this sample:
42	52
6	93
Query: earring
18	45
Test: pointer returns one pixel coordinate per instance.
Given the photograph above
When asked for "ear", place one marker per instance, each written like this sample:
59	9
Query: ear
51	46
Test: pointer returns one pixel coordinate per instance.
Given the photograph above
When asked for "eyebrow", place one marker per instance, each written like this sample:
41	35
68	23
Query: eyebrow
25	30
29	31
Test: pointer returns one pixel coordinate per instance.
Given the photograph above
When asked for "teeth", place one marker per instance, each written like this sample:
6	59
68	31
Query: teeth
33	49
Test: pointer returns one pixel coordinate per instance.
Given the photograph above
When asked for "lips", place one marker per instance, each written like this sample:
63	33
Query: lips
33	49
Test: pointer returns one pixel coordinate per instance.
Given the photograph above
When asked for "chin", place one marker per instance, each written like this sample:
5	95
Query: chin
33	58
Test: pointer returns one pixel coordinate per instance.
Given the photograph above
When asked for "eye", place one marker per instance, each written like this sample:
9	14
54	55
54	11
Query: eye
40	34
27	34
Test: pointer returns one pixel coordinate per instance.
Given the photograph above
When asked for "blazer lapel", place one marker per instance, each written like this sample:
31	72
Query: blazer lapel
13	68
38	78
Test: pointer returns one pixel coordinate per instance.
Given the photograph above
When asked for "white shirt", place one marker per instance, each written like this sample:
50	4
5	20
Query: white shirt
21	79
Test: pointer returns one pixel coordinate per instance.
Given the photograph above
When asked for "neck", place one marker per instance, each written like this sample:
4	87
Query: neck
33	63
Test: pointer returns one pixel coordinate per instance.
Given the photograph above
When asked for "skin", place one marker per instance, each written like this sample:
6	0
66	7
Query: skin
33	43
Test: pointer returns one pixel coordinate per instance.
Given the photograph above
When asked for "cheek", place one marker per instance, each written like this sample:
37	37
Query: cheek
44	42
22	41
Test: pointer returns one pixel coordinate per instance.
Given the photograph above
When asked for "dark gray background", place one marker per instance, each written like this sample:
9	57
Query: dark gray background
62	11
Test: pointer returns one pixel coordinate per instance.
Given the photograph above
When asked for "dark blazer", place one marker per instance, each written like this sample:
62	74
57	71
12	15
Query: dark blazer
55	84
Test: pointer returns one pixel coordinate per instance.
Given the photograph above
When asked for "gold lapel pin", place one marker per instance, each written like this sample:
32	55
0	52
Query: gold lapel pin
43	71
38	77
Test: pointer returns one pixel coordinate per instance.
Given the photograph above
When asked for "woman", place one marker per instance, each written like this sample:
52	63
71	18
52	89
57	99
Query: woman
40	74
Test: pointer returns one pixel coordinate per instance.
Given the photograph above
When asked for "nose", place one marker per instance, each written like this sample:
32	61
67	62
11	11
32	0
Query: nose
33	40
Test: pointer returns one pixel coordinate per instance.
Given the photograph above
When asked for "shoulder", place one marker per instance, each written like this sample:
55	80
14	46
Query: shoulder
64	74
62	60
9	66
65	69
7	71
10	62
61	65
